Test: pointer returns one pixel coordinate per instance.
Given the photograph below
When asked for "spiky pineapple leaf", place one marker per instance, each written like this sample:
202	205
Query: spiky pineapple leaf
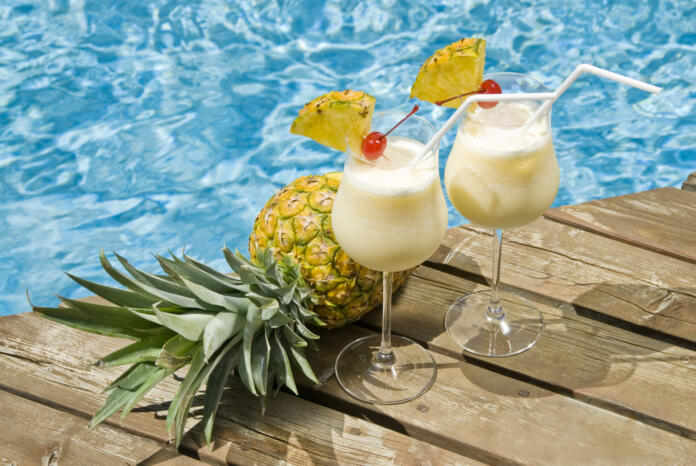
253	324
220	329
260	358
197	364
194	274
176	352
124	391
76	319
148	384
119	297
279	319
293	338
198	316
113	315
146	289
270	309
233	282
123	279
229	303
244	372
215	386
247	272
298	354
189	325
147	349
153	280
282	364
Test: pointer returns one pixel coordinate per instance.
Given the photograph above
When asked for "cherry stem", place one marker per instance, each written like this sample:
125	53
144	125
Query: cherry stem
413	110
440	102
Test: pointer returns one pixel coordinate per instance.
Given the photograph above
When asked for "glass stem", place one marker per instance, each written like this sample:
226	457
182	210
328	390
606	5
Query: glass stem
385	355
495	308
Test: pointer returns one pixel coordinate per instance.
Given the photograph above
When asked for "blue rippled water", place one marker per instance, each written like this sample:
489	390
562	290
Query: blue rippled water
142	126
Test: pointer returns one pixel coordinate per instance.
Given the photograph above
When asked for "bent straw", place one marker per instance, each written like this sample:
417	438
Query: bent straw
549	97
586	68
482	98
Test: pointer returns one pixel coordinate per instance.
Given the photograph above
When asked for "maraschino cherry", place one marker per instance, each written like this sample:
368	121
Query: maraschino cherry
374	143
487	87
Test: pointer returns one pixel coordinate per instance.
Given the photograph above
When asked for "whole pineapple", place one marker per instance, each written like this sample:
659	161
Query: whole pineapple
296	222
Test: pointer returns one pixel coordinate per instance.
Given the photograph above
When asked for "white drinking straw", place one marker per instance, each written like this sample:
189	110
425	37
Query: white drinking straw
585	68
549	97
482	98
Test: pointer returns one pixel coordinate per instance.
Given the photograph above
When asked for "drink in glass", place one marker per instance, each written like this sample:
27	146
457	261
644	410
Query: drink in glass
502	173
389	214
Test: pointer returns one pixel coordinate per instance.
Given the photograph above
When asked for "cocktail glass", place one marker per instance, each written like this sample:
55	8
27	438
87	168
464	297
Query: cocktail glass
389	215
502	173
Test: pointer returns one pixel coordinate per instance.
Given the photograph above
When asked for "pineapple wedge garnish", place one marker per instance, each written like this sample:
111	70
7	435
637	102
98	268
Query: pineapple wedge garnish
451	71
336	119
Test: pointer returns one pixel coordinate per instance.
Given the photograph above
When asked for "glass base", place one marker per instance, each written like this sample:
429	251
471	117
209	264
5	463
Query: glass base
409	376
517	330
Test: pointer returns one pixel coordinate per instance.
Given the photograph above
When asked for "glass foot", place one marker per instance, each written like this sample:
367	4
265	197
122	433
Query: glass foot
409	376
518	330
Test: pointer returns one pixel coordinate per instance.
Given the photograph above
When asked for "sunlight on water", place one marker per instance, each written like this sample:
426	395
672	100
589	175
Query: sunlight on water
145	126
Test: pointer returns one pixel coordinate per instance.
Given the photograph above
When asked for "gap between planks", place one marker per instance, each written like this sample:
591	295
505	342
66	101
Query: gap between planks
293	430
661	220
593	273
503	421
583	345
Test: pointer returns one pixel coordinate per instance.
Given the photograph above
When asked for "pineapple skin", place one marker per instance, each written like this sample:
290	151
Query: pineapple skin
453	70
296	221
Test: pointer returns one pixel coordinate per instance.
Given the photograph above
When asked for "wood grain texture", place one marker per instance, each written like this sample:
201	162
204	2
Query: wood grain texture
51	363
643	288
662	220
600	364
500	419
690	183
32	433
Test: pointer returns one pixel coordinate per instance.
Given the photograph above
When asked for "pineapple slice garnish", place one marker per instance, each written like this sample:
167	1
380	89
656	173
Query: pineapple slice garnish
453	70
336	118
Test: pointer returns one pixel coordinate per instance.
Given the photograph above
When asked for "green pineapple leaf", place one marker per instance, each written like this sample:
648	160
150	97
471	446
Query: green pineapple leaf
193	315
148	349
220	329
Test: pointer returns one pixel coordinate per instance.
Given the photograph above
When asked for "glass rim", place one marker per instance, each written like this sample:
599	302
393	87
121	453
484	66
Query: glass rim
432	154
472	118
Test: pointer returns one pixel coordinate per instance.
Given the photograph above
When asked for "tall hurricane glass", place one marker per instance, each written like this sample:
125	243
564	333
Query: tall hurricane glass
389	215
502	173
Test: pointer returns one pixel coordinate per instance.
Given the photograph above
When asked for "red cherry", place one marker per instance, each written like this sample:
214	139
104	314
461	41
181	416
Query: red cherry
489	87
373	145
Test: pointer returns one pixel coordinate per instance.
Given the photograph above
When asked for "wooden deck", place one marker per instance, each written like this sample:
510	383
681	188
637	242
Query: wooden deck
612	380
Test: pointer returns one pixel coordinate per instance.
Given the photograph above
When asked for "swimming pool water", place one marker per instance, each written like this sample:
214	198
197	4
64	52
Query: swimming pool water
146	126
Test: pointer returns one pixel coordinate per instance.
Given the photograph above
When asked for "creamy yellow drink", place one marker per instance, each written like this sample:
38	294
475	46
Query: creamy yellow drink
502	173
390	214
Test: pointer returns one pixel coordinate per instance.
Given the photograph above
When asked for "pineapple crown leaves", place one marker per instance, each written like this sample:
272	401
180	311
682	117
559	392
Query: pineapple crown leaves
255	323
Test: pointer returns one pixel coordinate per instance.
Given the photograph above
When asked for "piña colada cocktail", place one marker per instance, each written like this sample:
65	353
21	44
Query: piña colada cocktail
502	173
389	214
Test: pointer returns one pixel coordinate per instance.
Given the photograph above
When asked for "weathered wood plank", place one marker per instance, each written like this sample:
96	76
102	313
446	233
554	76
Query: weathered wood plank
32	433
595	362
43	360
690	183
661	220
644	288
472	409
